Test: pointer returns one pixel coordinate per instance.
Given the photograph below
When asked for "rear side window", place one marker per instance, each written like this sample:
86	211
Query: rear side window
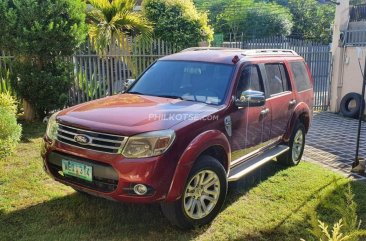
301	76
277	78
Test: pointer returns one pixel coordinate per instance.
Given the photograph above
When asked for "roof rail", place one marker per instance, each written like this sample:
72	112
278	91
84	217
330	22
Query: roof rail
208	48
282	52
248	52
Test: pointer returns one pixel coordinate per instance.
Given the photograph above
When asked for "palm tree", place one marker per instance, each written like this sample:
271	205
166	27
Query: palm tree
113	20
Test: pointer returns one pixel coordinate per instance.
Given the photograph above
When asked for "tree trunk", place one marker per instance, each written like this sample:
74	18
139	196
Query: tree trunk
29	112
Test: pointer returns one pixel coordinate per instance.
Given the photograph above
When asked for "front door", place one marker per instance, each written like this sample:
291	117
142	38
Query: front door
250	125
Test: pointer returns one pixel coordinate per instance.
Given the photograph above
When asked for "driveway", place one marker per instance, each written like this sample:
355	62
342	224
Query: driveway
331	141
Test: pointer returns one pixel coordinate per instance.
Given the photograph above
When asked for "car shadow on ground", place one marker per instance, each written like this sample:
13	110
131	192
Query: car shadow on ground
83	217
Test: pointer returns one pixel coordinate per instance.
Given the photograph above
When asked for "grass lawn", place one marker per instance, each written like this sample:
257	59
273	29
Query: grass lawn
271	204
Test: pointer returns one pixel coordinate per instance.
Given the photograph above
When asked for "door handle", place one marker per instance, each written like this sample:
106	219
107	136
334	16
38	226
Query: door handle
265	111
292	102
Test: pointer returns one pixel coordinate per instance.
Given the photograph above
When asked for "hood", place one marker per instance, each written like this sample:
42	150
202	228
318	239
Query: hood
129	114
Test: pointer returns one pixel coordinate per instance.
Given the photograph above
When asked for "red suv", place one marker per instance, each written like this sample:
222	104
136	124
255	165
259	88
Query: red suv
191	123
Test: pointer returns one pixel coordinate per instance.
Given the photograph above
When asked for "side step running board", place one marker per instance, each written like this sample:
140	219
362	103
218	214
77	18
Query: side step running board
252	164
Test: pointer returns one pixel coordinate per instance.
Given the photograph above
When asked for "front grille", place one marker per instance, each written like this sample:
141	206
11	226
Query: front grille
101	142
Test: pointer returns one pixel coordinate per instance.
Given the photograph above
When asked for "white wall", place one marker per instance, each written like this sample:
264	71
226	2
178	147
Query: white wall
346	74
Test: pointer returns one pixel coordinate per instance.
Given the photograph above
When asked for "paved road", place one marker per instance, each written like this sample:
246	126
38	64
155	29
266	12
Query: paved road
331	141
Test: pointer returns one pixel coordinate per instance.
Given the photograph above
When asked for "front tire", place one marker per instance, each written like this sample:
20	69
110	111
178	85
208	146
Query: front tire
203	195
296	144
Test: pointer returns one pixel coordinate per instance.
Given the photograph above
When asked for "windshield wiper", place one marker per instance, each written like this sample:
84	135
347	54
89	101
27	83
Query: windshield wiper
170	96
134	92
163	96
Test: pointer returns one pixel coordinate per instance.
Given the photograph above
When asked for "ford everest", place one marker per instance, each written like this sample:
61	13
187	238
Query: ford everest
191	123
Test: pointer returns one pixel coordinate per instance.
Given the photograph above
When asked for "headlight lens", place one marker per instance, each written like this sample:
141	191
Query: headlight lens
52	127
148	144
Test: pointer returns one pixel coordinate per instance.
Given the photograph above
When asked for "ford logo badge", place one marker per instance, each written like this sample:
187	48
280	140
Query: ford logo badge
82	139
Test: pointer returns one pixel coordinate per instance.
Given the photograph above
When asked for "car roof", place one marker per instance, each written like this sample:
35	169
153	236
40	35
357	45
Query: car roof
228	55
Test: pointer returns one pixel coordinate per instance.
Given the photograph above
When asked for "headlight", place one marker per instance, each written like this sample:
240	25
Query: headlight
52	127
148	144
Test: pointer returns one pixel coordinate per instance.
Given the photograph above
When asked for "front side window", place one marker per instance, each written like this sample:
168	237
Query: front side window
250	79
277	78
187	80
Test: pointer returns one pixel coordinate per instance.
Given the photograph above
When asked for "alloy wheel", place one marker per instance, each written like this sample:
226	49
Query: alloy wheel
298	145
201	194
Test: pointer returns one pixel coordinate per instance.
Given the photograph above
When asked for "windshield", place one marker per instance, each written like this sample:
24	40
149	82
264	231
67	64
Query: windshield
194	81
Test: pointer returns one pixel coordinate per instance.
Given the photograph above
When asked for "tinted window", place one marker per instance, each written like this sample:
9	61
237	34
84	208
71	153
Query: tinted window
250	79
301	76
277	78
194	81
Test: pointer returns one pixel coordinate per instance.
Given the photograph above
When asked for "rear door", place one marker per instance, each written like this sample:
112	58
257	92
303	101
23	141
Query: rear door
302	79
280	97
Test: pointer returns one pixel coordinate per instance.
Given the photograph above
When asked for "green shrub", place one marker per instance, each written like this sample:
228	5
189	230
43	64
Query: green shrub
47	89
8	103
10	131
5	86
348	227
42	35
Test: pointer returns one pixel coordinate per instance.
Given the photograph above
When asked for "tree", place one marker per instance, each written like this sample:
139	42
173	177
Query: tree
40	34
214	9
178	21
312	20
256	19
356	2
114	20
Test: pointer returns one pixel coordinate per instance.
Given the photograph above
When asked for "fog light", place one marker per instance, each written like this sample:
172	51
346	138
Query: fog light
140	189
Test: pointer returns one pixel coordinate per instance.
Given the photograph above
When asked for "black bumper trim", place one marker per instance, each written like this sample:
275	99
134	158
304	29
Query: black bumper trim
105	178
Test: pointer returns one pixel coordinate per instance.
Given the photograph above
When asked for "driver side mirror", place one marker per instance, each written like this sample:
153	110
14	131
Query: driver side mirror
251	98
128	83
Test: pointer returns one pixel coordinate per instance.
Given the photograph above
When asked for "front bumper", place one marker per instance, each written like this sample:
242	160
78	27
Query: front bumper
113	175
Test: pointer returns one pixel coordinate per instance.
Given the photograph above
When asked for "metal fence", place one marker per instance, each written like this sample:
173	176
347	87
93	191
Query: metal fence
357	13
317	56
356	37
97	76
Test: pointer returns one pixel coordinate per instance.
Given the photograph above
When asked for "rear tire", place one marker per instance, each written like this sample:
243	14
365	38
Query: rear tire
297	143
203	195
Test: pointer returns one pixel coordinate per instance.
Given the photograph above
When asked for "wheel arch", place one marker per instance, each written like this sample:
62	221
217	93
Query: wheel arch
218	152
301	113
213	143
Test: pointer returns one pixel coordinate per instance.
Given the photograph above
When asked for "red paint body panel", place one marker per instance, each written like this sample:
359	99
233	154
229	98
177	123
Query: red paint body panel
129	114
201	143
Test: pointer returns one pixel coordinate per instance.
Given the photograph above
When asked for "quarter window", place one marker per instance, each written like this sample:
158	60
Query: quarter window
277	78
301	76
